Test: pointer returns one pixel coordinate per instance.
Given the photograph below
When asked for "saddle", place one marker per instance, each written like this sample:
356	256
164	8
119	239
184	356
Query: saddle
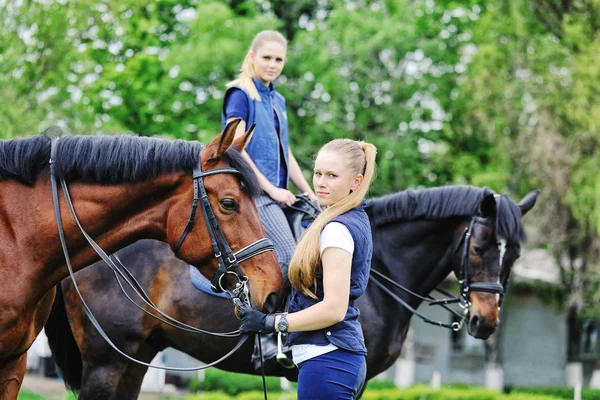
301	214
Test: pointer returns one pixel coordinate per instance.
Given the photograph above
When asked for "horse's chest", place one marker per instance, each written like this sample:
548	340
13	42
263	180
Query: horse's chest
19	324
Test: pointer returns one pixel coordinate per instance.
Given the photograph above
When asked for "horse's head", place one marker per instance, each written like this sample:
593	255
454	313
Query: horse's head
482	270
232	246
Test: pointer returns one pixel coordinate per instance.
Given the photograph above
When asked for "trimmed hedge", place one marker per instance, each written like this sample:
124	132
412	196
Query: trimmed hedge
560	392
233	384
254	395
421	392
25	395
418	392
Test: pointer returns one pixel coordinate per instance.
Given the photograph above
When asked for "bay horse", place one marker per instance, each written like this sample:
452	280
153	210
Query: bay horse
418	238
123	188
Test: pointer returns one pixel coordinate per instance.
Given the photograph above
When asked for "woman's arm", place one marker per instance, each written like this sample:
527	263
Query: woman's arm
337	264
297	177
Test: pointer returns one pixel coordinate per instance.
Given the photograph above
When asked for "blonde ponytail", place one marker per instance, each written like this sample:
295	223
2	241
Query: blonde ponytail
307	258
247	73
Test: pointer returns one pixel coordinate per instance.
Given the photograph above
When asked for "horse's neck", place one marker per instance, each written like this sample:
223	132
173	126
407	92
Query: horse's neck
114	216
422	255
416	255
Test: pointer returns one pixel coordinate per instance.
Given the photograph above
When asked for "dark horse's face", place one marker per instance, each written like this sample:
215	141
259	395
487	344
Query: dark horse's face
486	264
238	219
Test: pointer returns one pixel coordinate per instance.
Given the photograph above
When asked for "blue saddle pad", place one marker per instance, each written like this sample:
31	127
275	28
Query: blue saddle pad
203	284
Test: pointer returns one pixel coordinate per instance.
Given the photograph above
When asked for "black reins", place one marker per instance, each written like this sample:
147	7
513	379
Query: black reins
465	285
233	259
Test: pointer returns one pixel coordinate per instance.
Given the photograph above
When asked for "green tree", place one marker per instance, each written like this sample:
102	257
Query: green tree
533	88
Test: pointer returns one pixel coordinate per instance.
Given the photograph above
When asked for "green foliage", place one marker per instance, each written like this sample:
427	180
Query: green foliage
233	384
547	293
25	395
378	384
418	392
253	395
559	392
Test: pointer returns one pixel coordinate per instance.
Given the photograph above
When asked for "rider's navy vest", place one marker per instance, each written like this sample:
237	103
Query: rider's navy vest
346	334
266	146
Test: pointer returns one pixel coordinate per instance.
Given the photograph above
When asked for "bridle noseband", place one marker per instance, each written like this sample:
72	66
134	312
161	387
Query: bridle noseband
227	259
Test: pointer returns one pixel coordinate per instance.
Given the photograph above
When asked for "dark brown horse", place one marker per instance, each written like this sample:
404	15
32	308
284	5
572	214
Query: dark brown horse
418	238
123	188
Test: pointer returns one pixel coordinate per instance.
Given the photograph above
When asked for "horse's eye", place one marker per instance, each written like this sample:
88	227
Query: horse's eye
228	204
476	250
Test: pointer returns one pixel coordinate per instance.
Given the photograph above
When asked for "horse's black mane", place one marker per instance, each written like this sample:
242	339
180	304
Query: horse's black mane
446	202
106	159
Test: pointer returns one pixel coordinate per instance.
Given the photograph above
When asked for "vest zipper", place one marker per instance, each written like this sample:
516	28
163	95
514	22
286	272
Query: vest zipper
280	149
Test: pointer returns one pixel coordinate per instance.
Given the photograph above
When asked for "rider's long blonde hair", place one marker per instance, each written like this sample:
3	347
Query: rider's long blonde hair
244	79
306	261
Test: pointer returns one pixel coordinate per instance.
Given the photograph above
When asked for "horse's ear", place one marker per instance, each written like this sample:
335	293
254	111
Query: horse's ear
240	143
528	201
487	207
223	141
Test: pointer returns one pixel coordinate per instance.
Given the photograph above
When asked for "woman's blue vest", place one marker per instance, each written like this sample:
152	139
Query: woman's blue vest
266	146
346	334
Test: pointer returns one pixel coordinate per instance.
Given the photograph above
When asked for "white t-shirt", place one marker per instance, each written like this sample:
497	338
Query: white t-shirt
337	235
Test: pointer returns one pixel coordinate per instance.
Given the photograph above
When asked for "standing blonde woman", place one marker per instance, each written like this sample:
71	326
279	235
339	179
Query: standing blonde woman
328	272
253	98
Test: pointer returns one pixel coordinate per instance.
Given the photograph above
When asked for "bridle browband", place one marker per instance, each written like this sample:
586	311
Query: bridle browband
466	287
233	259
228	260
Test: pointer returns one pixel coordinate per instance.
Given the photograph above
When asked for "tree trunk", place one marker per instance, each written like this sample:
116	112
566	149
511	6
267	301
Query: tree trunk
574	335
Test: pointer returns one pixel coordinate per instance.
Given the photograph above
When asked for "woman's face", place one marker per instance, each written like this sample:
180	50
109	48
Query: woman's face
268	61
332	179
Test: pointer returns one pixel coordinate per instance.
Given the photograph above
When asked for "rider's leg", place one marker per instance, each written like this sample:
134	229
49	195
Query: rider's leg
277	229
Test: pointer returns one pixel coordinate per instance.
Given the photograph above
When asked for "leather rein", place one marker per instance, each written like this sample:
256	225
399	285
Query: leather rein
228	260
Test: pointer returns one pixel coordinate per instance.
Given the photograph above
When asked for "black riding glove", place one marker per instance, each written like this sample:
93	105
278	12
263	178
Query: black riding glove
254	321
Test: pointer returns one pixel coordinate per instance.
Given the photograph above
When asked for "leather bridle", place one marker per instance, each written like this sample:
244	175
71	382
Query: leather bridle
466	286
227	259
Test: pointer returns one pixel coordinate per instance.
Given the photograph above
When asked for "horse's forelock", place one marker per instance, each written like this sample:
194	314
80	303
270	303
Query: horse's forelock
247	175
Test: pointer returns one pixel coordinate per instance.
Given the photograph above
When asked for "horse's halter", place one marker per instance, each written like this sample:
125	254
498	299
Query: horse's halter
228	261
465	285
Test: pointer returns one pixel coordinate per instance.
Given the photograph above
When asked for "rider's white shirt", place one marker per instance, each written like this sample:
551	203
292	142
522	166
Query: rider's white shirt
337	235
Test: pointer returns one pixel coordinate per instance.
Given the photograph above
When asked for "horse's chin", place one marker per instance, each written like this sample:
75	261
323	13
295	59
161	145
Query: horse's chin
483	332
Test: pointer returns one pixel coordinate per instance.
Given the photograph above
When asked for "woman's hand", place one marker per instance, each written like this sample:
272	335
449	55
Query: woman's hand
283	196
311	195
254	321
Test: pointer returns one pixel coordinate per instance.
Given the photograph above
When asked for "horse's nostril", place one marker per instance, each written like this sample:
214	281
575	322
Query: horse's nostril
476	321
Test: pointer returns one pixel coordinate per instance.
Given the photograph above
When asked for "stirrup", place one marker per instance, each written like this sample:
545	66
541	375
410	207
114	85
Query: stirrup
281	357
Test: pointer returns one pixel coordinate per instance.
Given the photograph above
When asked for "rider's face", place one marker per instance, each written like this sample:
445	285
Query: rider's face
268	61
333	179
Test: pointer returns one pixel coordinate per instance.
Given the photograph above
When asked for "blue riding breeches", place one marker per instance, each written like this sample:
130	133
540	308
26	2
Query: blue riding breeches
338	374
